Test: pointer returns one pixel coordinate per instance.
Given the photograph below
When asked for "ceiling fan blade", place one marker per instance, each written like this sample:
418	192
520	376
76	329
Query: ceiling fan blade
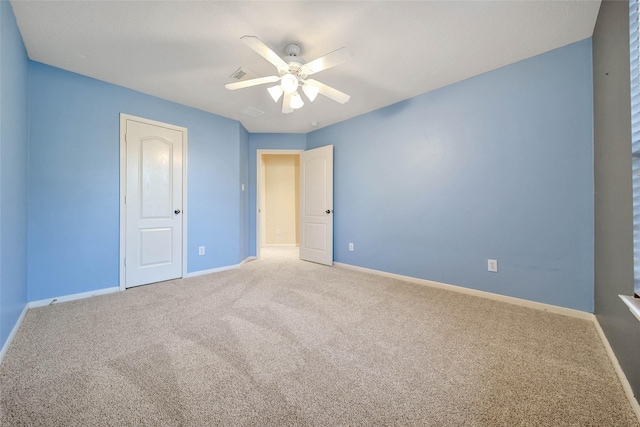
252	82
286	103
328	91
263	50
332	59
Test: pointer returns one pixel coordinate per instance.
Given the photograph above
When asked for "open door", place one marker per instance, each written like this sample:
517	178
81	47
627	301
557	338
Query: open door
316	205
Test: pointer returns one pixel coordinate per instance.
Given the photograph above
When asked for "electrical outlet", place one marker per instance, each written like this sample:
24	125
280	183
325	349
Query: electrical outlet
493	265
278	232
200	250
351	247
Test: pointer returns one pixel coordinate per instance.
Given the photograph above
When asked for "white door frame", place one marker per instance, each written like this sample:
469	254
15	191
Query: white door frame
259	154
123	190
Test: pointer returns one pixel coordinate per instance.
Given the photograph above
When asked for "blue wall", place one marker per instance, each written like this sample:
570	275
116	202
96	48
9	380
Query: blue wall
74	181
13	172
498	166
266	141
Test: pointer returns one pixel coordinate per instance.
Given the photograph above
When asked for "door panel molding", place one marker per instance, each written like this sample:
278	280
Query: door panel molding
123	190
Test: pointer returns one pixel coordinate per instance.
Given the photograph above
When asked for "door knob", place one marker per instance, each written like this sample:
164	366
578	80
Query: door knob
177	211
328	211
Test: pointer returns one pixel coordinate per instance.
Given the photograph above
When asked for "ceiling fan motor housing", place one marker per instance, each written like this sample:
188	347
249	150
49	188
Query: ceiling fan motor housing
293	60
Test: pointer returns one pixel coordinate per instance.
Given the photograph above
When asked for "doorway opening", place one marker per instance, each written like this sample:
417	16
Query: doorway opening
278	203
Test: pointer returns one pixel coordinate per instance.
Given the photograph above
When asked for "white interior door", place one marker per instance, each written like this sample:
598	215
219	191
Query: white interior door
316	205
153	202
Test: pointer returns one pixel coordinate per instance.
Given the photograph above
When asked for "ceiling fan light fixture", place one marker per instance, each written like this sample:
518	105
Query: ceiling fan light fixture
293	74
296	101
289	83
275	92
310	91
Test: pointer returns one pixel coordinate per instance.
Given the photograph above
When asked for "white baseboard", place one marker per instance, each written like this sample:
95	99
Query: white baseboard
614	360
104	291
13	333
72	297
525	303
517	301
49	301
82	295
219	269
512	300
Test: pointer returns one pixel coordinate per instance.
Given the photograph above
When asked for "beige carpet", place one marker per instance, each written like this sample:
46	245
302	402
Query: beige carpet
285	342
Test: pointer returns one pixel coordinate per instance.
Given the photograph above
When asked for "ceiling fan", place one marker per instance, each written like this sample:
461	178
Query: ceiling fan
293	74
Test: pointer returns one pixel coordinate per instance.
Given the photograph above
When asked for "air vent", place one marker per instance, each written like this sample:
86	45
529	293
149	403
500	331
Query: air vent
238	74
243	74
251	111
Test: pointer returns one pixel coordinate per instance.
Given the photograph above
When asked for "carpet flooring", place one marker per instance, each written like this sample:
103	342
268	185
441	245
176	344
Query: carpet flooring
281	342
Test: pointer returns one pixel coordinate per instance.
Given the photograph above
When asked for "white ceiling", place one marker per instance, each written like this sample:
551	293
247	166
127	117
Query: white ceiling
185	51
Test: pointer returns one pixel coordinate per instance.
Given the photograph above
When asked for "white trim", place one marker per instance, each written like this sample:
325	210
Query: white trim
185	207
89	294
259	153
123	189
123	192
530	304
12	335
49	301
614	360
512	300
633	304
72	297
218	269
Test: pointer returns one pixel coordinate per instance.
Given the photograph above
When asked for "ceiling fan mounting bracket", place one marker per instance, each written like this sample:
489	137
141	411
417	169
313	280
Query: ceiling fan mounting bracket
292	49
